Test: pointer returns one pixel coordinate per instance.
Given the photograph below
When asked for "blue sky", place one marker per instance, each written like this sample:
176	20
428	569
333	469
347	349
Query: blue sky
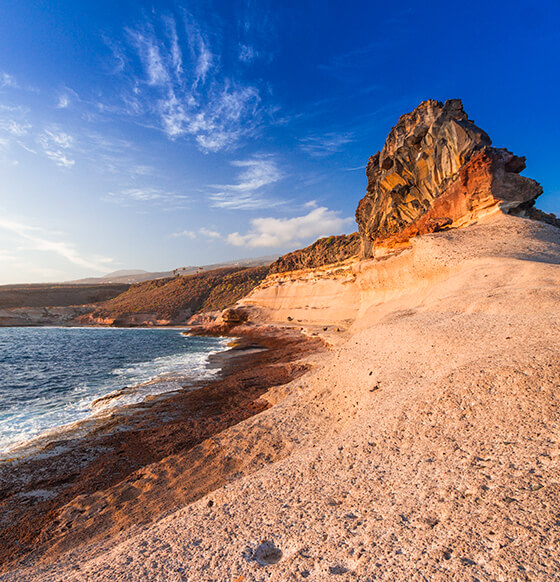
163	134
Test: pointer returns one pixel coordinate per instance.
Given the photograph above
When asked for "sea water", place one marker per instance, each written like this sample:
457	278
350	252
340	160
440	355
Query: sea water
53	377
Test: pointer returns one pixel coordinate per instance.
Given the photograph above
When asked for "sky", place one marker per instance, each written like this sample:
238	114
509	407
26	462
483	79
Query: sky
156	135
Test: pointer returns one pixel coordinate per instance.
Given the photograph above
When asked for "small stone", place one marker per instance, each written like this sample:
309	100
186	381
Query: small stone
267	553
337	570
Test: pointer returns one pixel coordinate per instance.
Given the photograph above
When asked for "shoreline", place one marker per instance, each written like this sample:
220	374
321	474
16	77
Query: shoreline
122	398
63	496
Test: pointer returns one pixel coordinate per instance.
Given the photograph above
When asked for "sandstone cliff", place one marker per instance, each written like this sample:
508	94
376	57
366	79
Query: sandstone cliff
437	169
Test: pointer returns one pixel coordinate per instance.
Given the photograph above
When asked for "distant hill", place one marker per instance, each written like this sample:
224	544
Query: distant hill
57	295
128	277
132	276
175	299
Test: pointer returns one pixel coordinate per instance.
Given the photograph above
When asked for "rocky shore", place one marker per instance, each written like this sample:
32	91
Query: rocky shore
145	461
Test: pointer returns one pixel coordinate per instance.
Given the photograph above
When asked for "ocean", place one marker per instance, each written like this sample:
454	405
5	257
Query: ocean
54	377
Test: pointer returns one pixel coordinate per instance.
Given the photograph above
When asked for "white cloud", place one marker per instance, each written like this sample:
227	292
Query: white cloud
118	54
155	195
143	194
216	125
183	86
176	53
8	81
200	52
247	54
150	55
209	233
184	233
55	146
39	240
284	232
63	102
192	234
256	173
66	97
14	128
319	146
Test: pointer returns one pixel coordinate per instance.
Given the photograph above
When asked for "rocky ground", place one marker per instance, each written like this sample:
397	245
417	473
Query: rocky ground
144	461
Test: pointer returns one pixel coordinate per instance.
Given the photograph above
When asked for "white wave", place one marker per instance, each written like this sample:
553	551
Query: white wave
54	415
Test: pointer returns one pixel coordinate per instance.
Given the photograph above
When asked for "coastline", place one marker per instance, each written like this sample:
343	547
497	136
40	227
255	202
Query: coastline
65	495
78	376
421	444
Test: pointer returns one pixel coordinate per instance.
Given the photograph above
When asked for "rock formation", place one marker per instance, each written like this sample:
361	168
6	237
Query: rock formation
234	316
437	170
325	251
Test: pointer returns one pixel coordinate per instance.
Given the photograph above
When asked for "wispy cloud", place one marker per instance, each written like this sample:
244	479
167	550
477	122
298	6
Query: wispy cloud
129	196
249	192
184	234
319	146
66	97
183	85
8	81
56	145
15	128
63	102
247	53
119	60
39	239
257	26
285	232
201	55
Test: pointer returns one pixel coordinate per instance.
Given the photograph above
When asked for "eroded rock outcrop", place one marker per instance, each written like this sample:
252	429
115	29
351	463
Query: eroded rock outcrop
437	170
325	251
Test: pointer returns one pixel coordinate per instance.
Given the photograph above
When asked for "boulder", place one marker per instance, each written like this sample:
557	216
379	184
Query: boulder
234	316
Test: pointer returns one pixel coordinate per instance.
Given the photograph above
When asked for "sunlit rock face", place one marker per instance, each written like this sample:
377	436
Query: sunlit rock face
437	170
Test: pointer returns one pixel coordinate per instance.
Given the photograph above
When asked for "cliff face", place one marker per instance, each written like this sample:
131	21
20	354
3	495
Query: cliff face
324	251
437	169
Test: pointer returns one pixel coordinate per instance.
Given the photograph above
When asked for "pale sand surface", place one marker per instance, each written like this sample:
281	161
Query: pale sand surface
424	446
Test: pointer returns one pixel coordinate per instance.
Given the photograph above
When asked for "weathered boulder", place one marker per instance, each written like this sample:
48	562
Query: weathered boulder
437	170
234	316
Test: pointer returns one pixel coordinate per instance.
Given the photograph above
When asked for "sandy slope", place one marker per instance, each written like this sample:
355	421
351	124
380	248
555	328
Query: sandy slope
425	447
